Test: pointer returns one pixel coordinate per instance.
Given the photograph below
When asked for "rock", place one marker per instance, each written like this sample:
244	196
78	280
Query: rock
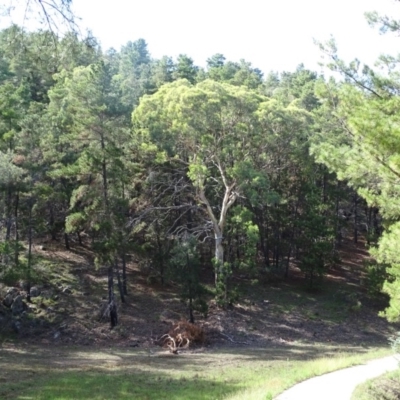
13	291
11	294
23	285
3	310
48	294
16	326
32	308
35	292
17	305
3	290
8	300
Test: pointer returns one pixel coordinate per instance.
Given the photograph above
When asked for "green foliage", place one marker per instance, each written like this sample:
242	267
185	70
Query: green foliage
359	141
297	87
237	74
217	153
223	138
314	262
226	294
10	174
134	73
376	275
241	226
185	69
370	162
185	269
74	222
9	273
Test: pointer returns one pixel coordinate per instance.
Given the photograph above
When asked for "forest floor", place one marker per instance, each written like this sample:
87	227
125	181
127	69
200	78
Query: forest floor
279	312
63	341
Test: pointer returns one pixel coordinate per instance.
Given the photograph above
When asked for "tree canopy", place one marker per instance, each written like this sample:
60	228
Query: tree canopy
200	172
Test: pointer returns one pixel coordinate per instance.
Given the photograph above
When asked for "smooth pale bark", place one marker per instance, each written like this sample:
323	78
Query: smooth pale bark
219	224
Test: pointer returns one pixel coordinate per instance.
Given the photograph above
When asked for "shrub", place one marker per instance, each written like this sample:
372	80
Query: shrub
185	270
376	276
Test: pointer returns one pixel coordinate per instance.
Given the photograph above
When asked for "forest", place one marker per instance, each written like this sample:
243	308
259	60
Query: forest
199	174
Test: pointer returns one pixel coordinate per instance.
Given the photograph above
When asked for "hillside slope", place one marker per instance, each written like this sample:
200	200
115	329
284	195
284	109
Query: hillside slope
72	293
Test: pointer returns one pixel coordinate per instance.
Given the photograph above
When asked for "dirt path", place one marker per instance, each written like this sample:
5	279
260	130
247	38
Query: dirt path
339	384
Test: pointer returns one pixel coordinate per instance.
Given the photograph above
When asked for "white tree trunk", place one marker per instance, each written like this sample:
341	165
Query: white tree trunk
219	255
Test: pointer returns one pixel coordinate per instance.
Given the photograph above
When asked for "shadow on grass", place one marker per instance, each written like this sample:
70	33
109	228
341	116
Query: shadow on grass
25	357
121	385
82	373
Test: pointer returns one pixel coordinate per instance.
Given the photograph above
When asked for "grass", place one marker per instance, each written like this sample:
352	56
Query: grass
384	387
64	374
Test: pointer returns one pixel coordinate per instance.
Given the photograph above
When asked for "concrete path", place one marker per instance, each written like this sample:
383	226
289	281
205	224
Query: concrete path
339	385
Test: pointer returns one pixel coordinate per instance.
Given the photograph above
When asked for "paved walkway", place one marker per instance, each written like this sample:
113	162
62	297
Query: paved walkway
339	385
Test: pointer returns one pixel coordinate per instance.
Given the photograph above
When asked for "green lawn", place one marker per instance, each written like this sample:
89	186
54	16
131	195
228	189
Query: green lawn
62	373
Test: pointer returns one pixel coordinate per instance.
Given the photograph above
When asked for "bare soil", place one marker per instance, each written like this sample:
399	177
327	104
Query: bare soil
279	312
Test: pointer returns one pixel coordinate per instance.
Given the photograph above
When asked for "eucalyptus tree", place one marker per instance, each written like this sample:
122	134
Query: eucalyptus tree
218	136
208	128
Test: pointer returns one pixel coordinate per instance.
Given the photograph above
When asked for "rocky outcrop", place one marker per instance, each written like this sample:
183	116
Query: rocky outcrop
18	306
35	291
11	294
14	301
